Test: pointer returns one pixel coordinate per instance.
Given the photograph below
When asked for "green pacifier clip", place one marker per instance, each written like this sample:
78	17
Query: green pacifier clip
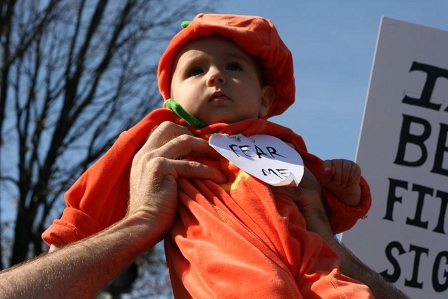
177	108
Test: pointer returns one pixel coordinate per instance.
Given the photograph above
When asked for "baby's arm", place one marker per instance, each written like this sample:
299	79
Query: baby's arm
342	177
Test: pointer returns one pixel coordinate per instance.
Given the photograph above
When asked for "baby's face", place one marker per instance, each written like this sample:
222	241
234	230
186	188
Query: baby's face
216	81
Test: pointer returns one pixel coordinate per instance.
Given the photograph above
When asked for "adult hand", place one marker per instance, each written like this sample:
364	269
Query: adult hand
308	197
156	168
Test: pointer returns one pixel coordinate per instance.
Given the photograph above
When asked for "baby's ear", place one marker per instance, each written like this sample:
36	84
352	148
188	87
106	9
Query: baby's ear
267	97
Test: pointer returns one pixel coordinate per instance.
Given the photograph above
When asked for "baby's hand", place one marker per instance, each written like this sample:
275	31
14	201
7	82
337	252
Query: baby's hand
341	177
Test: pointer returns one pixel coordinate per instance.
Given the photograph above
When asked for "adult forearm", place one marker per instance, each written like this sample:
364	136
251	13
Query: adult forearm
79	270
354	268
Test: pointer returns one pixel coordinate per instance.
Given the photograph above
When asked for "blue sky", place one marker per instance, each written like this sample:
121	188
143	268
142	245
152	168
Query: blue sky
333	45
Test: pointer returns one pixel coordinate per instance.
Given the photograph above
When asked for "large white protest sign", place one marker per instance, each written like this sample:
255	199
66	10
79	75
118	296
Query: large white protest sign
403	153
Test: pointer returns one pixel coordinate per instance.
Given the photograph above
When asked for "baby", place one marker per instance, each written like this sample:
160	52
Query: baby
227	74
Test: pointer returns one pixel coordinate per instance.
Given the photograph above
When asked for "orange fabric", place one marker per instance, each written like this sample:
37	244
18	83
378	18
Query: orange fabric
237	240
256	36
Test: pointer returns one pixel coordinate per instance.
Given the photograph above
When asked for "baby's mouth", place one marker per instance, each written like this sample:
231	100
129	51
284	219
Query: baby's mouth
218	96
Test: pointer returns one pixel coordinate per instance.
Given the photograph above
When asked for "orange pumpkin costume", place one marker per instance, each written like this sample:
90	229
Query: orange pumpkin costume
236	240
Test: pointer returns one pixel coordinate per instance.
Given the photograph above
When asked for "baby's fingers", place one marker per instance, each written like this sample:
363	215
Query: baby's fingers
330	175
355	174
348	171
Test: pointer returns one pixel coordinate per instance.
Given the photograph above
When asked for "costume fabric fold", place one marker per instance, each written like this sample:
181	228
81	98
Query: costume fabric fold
236	240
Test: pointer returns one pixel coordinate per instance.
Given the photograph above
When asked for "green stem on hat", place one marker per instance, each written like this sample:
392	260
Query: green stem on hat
184	24
190	119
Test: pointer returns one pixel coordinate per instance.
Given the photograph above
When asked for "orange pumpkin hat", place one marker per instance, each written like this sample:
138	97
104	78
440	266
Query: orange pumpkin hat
255	35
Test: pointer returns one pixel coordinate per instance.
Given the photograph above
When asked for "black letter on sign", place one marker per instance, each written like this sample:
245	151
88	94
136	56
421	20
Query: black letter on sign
413	283
441	223
440	287
233	150
391	198
397	270
442	148
432	74
422	191
260	152
273	152
269	171
406	137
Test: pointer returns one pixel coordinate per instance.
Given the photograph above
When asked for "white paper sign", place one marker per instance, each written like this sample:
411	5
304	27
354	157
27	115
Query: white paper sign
264	157
403	154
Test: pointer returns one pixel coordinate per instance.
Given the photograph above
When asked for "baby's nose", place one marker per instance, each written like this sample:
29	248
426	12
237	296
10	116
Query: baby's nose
215	77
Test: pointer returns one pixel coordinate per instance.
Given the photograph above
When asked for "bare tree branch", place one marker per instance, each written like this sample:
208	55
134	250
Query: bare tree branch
73	75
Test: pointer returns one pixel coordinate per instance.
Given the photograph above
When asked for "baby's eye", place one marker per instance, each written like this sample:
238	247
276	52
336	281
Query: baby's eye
234	66
195	71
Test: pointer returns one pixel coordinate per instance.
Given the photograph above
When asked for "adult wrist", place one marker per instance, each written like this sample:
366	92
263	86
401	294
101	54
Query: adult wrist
148	226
